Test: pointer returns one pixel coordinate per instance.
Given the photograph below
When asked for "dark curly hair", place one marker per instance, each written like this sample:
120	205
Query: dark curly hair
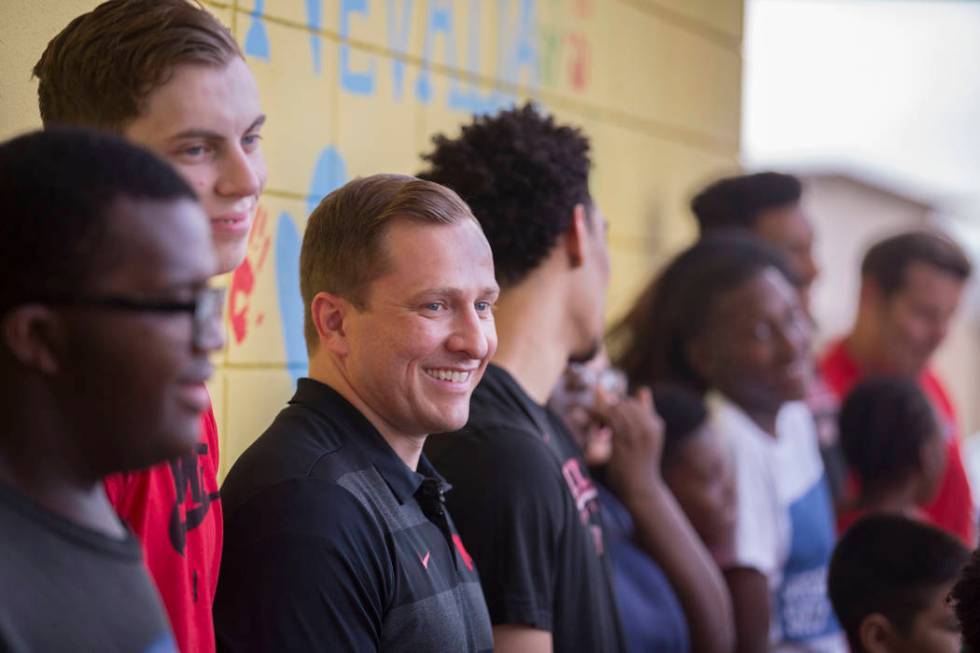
884	423
889	564
737	202
966	603
674	309
522	175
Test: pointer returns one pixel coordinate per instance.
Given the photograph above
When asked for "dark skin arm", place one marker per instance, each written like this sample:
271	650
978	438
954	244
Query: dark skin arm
662	529
750	595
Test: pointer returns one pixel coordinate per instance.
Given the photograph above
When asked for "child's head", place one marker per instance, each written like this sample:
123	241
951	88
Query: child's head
696	466
890	577
890	438
966	603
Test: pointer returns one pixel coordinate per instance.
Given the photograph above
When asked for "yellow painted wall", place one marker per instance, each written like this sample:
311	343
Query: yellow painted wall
354	87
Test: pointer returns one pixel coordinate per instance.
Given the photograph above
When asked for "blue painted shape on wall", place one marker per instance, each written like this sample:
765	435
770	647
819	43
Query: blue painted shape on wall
257	38
525	50
329	173
398	31
288	244
467	96
314	20
356	82
439	19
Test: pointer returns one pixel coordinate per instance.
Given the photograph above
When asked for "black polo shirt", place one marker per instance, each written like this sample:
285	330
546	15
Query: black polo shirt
528	511
333	544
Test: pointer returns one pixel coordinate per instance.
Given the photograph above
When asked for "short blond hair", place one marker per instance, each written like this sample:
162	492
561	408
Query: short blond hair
342	247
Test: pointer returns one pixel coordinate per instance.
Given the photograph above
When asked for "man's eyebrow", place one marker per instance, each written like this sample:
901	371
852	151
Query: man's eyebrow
208	134
197	133
258	123
451	292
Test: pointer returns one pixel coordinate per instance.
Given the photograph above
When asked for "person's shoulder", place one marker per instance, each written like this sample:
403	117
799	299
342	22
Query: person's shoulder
514	462
489	441
311	508
299	444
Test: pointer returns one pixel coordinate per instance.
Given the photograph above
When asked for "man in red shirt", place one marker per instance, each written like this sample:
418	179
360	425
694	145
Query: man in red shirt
911	285
167	75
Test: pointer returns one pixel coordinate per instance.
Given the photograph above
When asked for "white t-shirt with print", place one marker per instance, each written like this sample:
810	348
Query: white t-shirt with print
785	522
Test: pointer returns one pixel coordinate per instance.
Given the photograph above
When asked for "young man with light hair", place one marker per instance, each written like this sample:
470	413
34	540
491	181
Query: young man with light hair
166	75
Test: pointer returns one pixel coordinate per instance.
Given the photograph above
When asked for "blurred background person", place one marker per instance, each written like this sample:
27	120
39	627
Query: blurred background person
911	285
890	579
725	320
658	587
768	205
698	468
893	444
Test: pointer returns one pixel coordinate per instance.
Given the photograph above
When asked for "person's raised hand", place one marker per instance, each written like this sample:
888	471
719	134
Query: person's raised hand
638	440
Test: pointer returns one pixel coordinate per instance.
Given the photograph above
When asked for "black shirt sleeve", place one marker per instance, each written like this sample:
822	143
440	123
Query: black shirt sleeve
508	506
292	583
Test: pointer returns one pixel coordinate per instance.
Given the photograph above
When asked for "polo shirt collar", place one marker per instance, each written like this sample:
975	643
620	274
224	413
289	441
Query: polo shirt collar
359	433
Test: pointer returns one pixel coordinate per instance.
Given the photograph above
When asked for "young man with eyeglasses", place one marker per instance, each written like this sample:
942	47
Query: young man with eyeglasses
106	324
167	75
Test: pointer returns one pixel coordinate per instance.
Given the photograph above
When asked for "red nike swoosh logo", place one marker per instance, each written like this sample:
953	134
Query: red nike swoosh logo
425	560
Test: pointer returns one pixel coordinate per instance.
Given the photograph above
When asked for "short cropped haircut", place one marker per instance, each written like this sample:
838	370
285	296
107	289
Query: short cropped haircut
676	306
683	413
887	261
884	423
966	603
59	189
98	70
522	174
343	245
737	202
889	564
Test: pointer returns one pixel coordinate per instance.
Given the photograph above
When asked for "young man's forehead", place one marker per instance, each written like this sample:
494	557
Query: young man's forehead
202	101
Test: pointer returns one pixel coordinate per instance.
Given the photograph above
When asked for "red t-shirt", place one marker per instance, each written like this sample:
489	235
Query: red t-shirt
952	509
174	510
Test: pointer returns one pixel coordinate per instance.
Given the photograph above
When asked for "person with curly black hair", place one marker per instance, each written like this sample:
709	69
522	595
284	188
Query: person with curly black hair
892	441
522	496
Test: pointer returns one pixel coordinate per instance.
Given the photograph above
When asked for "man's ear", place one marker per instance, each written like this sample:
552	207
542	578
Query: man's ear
330	313
33	335
876	633
576	237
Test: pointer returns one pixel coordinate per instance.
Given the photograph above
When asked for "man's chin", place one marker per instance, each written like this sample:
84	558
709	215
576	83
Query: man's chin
230	255
448	423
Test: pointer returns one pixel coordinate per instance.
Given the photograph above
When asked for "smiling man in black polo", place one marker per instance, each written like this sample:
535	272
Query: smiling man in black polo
337	538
